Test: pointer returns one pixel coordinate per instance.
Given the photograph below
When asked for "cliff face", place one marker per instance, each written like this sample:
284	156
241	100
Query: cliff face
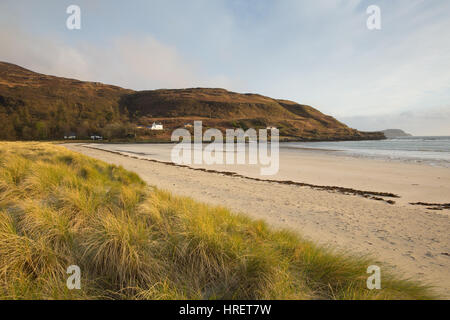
37	106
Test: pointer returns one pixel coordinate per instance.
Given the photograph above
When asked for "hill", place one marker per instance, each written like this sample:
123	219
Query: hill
394	133
37	106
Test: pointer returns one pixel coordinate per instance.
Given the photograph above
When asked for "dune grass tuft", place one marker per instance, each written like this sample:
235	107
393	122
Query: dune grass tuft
133	241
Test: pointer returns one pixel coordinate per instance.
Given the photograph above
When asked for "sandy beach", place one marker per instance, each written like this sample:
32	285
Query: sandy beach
412	239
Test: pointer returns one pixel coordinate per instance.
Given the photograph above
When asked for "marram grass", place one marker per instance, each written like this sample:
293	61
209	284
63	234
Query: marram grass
131	241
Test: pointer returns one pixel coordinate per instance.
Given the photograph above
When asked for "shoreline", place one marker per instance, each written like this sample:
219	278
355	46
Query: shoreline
354	154
411	239
374	195
165	141
394	182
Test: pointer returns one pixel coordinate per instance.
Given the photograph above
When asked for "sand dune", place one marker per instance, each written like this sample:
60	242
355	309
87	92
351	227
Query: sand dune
413	240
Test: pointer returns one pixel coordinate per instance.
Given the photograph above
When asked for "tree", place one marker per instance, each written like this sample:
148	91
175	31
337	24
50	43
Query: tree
7	130
41	130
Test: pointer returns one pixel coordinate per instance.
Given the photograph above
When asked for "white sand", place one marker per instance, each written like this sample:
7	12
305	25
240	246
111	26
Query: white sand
411	239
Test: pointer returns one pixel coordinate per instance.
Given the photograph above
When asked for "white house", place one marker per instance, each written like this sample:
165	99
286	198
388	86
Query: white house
271	128
156	126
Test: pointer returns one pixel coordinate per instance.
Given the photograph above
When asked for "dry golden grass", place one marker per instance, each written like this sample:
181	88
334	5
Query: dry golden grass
132	241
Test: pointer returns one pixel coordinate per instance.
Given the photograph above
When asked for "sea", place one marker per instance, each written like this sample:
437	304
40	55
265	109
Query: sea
433	150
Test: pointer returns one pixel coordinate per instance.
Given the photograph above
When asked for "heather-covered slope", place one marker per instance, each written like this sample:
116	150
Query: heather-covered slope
204	102
37	106
222	109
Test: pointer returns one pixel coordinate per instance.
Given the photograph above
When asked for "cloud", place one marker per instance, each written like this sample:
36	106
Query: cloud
316	52
143	63
428	122
44	55
345	69
137	63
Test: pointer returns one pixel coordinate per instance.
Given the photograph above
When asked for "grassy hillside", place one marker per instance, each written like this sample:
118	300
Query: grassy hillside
34	106
223	109
37	106
204	102
132	241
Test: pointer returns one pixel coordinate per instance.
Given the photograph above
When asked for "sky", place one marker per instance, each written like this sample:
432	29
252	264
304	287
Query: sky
317	52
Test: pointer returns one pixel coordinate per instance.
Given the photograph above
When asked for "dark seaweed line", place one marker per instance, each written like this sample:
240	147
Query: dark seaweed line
374	195
432	206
